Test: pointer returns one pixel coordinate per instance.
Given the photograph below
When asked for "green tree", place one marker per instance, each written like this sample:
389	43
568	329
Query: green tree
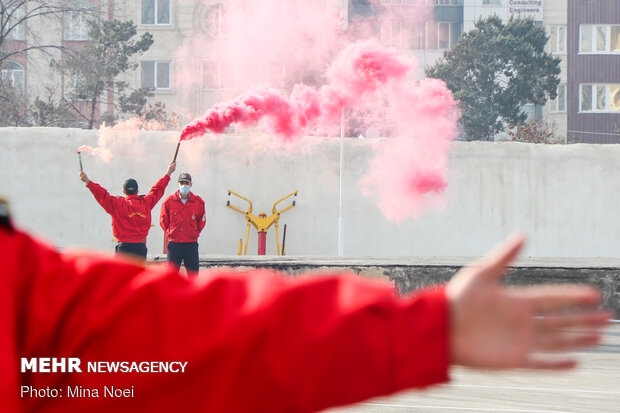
92	71
494	70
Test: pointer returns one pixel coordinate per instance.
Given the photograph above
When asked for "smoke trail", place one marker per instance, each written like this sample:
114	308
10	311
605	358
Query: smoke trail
123	133
408	171
360	69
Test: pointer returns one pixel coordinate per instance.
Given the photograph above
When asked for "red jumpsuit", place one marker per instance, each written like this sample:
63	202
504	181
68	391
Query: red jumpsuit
131	215
253	342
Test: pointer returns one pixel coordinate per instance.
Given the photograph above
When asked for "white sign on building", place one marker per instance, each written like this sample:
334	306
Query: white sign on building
526	8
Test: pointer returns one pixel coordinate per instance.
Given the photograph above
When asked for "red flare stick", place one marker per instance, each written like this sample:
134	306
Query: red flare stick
176	152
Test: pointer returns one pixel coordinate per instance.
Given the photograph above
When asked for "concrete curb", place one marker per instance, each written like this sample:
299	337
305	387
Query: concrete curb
410	273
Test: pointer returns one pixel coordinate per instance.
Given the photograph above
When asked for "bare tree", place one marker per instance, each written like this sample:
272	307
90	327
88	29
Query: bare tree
534	131
13	105
95	68
18	17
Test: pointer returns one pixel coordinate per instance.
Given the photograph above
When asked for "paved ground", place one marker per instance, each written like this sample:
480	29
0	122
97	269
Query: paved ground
593	387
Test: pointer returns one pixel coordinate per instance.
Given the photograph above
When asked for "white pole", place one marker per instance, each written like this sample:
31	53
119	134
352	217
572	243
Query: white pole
340	237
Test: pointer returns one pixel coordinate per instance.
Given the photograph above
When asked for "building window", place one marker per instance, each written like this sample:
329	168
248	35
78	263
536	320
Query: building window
492	2
18	31
212	20
391	32
155	12
446	2
155	75
76	26
214	76
439	35
13	72
558	105
599	38
599	98
405	2
557	39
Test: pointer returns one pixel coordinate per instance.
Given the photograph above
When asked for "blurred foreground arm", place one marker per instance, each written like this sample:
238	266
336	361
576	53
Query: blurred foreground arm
261	342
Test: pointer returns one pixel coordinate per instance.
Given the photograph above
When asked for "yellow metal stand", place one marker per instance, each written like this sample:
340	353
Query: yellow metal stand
262	222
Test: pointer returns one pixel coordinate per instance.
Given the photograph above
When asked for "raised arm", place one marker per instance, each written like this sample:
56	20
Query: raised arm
102	196
157	191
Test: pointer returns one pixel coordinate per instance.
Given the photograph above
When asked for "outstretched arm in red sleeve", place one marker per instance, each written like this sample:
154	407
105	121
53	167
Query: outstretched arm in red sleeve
109	202
260	342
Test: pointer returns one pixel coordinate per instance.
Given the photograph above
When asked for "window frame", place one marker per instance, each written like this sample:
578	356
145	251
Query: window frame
154	87
220	13
65	26
438	35
10	73
594	87
220	86
554	105
395	40
19	29
593	28
155	15
554	34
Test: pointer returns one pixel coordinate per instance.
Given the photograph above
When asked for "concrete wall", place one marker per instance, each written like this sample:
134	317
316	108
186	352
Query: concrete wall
563	197
408	274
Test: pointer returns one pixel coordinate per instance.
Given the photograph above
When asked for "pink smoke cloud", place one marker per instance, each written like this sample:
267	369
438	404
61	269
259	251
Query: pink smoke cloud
408	172
120	135
279	44
360	69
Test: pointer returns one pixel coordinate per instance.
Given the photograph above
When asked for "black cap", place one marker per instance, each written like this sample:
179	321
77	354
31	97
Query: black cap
5	216
130	186
185	177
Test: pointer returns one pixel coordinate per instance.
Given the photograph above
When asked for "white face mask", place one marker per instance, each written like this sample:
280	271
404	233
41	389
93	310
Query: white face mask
184	189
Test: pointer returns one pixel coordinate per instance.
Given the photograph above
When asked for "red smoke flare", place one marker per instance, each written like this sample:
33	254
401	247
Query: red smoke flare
361	68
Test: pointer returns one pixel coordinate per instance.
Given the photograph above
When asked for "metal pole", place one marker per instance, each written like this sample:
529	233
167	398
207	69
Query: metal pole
340	236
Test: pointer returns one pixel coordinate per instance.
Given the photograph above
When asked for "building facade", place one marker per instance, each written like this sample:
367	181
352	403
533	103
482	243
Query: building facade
585	35
593	86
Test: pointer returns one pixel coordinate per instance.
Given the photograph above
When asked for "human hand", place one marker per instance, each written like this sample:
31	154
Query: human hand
84	177
171	168
498	327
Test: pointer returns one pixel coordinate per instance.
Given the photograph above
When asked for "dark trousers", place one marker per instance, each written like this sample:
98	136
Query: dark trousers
186	252
135	249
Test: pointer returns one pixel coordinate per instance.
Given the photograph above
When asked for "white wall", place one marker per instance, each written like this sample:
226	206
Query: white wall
564	197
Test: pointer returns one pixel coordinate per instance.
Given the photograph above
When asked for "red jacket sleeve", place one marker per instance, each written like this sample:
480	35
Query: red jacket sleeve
156	192
201	218
253	342
108	202
164	217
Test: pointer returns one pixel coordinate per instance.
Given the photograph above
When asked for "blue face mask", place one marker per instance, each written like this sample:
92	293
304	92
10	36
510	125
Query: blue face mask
184	189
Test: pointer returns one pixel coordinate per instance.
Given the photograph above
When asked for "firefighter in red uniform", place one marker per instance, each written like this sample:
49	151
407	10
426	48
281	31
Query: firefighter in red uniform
259	342
182	218
131	215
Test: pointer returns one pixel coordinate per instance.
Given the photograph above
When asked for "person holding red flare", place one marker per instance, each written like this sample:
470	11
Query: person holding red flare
131	214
